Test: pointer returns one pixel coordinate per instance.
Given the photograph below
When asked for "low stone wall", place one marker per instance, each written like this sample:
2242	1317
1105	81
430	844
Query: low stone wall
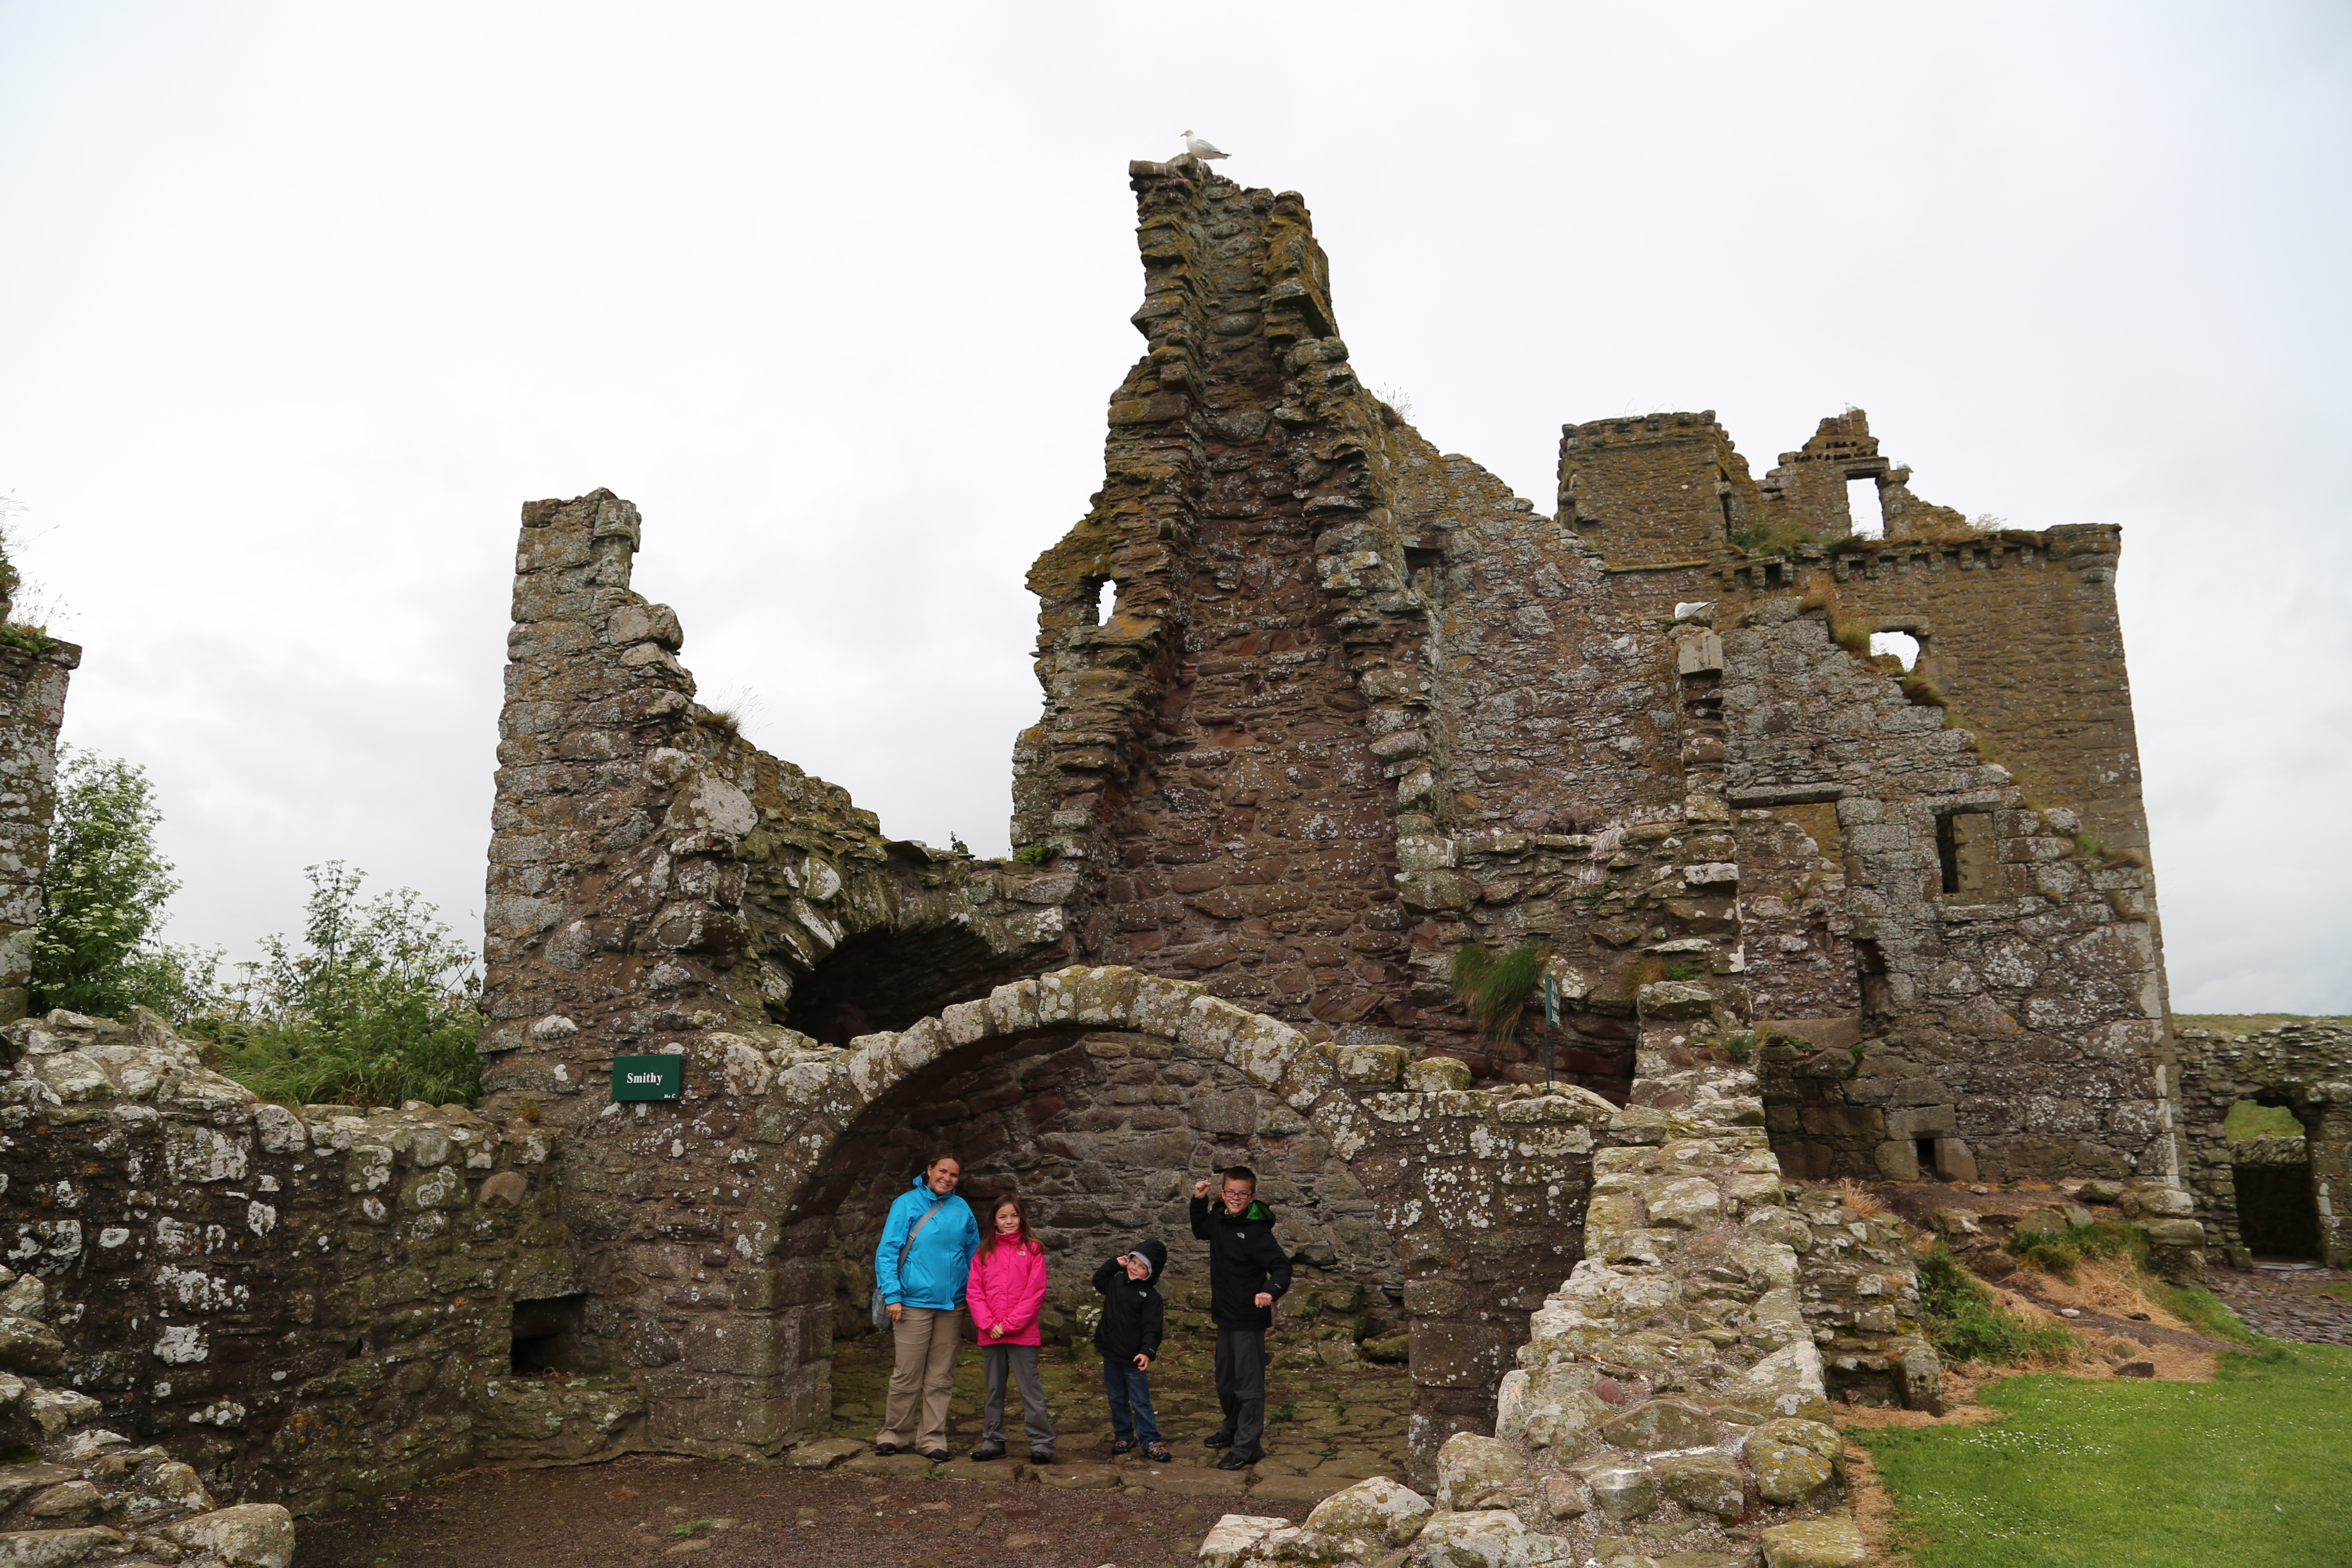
2305	1067
315	1306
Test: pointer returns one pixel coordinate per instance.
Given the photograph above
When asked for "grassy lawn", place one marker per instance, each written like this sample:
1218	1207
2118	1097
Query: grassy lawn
2249	1470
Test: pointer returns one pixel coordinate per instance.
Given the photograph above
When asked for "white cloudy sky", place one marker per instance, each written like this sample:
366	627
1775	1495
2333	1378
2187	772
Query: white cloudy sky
298	303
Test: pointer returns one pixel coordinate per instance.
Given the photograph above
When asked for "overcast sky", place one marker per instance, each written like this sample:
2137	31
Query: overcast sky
299	303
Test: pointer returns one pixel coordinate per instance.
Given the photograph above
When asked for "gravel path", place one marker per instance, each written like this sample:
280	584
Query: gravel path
2288	1304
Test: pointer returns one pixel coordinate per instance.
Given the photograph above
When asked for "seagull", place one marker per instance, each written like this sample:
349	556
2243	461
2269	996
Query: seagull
1205	151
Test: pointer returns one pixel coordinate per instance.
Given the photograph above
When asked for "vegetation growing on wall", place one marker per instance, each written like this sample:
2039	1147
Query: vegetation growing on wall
378	1005
1497	988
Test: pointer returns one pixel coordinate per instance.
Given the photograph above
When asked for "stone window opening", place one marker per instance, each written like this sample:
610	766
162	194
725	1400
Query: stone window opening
1866	507
1902	646
545	1335
1924	1151
1101	594
1965	853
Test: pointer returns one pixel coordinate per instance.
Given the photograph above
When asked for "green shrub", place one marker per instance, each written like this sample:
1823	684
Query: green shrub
1965	1323
379	1008
1739	1045
1033	854
1495	988
1679	971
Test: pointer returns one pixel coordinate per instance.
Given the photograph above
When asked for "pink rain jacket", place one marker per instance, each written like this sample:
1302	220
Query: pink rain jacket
1007	1286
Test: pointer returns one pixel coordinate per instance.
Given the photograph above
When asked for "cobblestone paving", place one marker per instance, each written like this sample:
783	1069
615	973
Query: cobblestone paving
2306	1304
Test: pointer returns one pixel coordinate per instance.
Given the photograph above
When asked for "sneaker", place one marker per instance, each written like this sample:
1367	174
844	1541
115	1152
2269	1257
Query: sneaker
885	1449
1224	1440
1158	1454
937	1456
1238	1460
1123	1446
1041	1456
984	1454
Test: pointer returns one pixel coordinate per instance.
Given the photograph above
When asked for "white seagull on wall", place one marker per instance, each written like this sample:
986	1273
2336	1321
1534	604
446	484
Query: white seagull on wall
1205	151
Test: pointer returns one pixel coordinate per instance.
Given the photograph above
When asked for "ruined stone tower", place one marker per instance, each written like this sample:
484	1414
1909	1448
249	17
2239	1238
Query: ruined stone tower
1353	704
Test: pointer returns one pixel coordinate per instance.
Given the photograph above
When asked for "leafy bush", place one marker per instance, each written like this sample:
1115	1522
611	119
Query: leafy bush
378	1007
1033	854
1497	989
1965	1323
94	950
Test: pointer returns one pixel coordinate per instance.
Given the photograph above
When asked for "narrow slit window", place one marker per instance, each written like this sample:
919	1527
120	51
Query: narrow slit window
1964	848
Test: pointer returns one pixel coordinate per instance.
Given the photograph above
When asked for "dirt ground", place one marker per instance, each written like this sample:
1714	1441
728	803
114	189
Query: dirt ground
630	1512
1334	1425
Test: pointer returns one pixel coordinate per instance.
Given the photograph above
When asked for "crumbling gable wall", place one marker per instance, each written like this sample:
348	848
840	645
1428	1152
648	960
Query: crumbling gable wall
1623	733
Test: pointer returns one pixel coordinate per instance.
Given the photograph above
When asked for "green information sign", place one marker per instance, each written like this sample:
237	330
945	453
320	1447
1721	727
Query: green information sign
648	1077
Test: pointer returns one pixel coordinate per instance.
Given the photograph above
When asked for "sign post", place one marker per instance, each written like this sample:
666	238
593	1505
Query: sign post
648	1077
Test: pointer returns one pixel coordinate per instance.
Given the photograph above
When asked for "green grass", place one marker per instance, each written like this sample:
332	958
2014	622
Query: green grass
1965	1323
2247	1471
2204	1312
2247	1119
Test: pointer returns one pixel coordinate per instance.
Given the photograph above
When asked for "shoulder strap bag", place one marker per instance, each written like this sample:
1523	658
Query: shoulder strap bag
882	1307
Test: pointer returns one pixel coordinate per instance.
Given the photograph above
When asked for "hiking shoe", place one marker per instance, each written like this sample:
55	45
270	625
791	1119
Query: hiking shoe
984	1454
1238	1460
1041	1456
1123	1446
885	1449
937	1456
1158	1454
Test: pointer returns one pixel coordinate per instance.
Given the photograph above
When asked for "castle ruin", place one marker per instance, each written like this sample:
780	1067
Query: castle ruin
1322	706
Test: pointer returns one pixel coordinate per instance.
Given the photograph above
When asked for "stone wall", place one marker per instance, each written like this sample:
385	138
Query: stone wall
32	707
2307	1068
315	1307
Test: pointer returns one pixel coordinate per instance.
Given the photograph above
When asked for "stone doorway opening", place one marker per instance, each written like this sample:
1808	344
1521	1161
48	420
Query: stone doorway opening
2270	1166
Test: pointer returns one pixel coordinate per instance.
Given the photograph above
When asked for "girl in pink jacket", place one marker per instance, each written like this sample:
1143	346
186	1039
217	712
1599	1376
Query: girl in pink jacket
1004	1291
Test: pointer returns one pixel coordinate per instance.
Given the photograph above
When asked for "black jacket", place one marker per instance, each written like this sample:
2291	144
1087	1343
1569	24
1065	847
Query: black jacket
1243	1259
1133	1315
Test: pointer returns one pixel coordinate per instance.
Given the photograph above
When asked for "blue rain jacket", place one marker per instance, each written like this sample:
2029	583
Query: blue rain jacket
933	1274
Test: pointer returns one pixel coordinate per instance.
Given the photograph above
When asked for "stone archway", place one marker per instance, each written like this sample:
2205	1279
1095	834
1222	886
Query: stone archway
705	1225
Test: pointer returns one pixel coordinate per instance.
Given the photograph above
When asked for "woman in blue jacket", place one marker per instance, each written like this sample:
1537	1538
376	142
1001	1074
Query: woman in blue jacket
920	1271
